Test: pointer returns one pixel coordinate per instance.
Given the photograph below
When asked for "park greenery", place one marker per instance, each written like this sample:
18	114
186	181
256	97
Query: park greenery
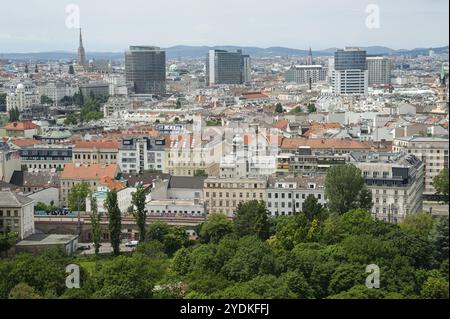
319	252
90	108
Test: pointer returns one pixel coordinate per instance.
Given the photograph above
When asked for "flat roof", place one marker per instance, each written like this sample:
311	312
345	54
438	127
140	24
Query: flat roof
46	239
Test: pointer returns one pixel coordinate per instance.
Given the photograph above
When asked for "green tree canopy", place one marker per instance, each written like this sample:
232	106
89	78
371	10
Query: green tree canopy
252	219
344	186
215	228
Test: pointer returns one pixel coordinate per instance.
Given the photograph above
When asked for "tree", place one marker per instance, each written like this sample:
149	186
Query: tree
77	196
2	99
14	114
419	224
440	239
138	200
311	108
71	119
343	187
440	183
23	291
312	208
365	199
435	288
178	104
71	70
279	108
7	239
46	100
95	224
215	228
172	237
115	220
252	219
200	172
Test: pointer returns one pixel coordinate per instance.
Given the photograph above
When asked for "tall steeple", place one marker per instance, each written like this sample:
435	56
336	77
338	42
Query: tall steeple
81	60
310	60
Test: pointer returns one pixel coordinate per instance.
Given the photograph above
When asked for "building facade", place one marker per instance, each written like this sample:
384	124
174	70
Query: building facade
303	74
16	214
286	195
139	154
145	69
379	70
349	74
432	151
223	195
223	67
396	181
95	152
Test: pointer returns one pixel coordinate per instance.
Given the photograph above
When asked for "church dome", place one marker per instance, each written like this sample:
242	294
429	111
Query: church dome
173	68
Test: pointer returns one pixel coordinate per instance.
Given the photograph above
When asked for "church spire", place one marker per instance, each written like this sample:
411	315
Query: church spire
81	59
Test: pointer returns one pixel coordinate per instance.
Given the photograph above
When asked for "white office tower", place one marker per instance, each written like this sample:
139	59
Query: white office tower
246	68
349	74
379	68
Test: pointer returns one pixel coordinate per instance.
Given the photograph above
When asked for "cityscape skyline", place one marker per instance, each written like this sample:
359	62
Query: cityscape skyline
207	25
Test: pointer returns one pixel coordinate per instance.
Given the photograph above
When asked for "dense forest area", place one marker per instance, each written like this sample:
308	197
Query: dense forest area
312	254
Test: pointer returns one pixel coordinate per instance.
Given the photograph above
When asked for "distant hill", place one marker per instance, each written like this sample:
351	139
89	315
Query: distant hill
184	51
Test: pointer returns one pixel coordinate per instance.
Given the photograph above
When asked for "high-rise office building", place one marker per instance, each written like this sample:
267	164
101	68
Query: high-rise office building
81	58
145	69
379	68
303	74
246	68
223	67
349	74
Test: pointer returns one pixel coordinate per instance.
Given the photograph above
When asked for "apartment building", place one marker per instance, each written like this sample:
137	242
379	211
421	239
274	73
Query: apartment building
304	74
432	151
335	145
16	214
45	157
187	155
137	154
396	181
286	195
95	152
223	195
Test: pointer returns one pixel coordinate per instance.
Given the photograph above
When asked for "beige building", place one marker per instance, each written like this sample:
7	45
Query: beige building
91	174
432	151
186	155
16	214
223	195
95	152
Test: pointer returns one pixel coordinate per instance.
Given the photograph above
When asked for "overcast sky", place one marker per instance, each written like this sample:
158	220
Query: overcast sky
113	25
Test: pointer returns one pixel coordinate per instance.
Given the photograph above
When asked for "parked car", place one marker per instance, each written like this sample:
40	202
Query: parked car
84	247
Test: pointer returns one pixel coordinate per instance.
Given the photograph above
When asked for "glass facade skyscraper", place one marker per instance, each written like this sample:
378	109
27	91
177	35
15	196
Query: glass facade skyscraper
145	69
223	67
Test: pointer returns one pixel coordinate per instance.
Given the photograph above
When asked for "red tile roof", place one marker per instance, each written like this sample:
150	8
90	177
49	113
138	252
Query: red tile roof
89	172
21	126
25	142
111	183
111	144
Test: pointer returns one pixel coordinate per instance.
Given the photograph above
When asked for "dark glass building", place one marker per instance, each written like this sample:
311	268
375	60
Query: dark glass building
145	69
350	59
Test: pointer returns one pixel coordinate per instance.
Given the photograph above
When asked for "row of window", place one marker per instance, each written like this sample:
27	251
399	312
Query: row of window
9	213
233	195
94	156
289	195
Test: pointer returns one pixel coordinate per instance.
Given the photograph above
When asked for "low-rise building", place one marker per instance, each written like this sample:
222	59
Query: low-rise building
16	214
95	152
286	195
223	195
91	174
41	157
22	129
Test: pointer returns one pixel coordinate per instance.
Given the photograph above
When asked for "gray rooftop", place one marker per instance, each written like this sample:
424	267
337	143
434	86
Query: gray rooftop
10	199
191	182
46	239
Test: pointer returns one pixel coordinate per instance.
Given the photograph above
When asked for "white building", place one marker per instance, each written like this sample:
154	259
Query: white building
302	74
16	214
286	195
139	154
396	181
21	99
